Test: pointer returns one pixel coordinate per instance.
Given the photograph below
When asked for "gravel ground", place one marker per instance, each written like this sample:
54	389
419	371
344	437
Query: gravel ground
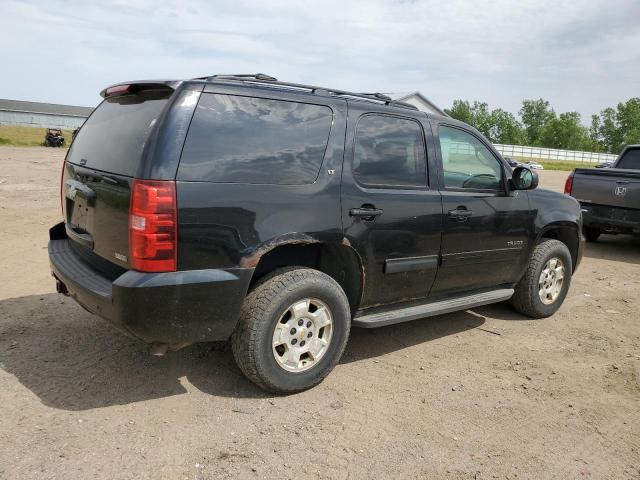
480	394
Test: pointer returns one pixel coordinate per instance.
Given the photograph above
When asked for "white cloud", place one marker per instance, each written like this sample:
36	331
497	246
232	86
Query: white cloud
579	55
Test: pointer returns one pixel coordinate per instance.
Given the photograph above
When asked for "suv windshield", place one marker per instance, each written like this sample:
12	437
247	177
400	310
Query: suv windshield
113	137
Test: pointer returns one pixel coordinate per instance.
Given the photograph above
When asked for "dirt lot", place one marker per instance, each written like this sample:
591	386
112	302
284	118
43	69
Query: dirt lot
471	395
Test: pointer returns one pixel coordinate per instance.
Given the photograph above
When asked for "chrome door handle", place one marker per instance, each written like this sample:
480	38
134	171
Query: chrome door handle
460	214
365	213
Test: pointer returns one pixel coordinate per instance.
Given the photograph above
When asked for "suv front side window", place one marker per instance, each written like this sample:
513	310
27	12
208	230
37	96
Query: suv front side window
389	152
467	163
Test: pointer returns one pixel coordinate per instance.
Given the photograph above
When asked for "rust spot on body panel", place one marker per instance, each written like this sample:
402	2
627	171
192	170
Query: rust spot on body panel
251	257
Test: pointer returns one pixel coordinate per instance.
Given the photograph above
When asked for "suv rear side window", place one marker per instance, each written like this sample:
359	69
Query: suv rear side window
630	160
114	136
235	139
389	152
467	162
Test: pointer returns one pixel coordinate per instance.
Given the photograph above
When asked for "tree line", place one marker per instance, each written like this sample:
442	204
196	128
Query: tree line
538	125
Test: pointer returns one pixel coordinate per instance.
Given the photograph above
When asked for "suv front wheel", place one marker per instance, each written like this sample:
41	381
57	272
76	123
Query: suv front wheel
293	328
545	284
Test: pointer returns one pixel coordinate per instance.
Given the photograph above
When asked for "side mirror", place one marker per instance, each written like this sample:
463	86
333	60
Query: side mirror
523	179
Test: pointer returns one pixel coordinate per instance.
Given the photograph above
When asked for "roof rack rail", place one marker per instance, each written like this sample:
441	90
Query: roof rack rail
389	100
380	96
256	76
261	78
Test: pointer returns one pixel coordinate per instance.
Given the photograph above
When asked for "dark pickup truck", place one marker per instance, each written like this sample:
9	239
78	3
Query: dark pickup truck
279	215
609	197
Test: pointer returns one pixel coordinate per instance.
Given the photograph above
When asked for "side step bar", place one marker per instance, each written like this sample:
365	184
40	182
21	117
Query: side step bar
406	314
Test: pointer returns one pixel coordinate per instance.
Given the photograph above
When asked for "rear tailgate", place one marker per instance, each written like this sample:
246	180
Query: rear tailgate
611	187
103	160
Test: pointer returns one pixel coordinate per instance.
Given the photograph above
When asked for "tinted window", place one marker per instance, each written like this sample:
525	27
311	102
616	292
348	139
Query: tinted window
630	160
389	151
467	162
254	140
114	136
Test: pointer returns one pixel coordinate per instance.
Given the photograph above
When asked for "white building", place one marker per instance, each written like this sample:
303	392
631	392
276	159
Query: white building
418	100
48	115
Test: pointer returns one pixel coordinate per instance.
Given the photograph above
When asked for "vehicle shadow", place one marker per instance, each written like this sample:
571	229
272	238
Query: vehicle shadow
616	248
501	311
75	361
367	343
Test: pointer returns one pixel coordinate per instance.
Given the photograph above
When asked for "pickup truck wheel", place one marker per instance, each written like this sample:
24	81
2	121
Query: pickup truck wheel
545	284
591	234
293	328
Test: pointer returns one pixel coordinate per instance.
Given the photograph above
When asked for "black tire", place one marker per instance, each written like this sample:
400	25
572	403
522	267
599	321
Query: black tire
591	234
263	307
526	299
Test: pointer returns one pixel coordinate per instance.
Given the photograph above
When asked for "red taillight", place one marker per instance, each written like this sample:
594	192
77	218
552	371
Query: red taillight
153	226
568	184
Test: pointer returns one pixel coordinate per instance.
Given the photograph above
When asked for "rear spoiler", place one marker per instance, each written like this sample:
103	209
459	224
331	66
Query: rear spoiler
125	88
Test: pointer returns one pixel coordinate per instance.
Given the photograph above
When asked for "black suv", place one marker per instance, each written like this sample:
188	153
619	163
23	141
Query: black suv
280	215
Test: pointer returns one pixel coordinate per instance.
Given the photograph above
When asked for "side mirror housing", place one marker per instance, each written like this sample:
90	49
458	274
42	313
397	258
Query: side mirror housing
523	179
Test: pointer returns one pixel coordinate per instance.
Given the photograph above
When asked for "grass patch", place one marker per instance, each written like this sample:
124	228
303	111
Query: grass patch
19	136
560	165
557	164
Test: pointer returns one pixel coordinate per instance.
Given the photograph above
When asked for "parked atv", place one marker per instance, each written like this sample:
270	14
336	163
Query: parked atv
53	138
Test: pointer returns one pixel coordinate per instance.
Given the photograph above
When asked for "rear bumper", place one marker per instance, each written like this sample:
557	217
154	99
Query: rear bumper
612	219
176	308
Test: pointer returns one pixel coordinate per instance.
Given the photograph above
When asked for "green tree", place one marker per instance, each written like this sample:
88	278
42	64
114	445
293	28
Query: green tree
613	135
497	125
610	131
506	129
628	117
482	118
535	115
476	115
614	128
565	131
594	133
460	110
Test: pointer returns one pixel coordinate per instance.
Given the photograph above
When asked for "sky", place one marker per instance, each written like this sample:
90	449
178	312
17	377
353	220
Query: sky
580	55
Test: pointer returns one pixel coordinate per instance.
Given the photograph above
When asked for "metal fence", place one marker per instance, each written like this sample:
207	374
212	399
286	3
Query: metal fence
520	152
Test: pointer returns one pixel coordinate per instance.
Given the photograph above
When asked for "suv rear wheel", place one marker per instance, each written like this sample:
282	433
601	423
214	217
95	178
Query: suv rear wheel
293	328
545	284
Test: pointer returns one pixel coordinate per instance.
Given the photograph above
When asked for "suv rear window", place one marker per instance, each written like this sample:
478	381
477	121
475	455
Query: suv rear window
114	136
235	139
630	160
389	152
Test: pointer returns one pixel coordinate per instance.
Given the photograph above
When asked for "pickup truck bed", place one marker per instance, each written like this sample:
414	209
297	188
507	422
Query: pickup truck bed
609	198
